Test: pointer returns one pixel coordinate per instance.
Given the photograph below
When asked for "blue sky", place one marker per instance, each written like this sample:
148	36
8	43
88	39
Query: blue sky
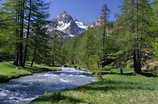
83	10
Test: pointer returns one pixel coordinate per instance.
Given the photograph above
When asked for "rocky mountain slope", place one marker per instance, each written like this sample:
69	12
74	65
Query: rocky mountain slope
67	26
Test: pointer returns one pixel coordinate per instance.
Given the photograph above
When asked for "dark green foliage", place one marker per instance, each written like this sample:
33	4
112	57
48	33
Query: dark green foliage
55	44
85	50
7	28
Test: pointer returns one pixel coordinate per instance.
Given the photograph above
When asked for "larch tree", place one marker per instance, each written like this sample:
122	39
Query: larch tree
104	18
135	20
13	15
39	36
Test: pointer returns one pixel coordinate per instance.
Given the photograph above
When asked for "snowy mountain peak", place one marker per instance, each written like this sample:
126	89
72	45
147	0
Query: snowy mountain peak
67	25
64	17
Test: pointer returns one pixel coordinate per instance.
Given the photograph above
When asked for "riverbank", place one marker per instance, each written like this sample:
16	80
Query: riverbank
8	71
25	89
113	89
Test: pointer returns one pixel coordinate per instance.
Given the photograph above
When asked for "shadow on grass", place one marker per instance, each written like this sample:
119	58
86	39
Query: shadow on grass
35	69
3	79
39	69
55	98
116	73
146	74
117	85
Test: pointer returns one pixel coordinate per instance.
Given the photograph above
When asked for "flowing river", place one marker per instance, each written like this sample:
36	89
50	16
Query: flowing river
25	89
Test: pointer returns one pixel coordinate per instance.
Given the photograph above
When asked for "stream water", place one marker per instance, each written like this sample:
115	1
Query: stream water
25	89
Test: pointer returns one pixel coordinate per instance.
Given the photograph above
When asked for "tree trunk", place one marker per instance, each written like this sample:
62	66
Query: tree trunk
25	55
34	57
20	32
104	39
19	45
16	61
121	70
28	32
137	61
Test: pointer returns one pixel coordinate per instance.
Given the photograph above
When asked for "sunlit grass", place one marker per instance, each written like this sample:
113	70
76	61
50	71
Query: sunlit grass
114	89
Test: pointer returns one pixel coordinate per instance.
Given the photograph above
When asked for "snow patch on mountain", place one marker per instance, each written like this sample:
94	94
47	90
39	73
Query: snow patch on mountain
81	25
62	26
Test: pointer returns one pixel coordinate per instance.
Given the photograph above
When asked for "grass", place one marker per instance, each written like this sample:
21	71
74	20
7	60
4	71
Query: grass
9	71
114	89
